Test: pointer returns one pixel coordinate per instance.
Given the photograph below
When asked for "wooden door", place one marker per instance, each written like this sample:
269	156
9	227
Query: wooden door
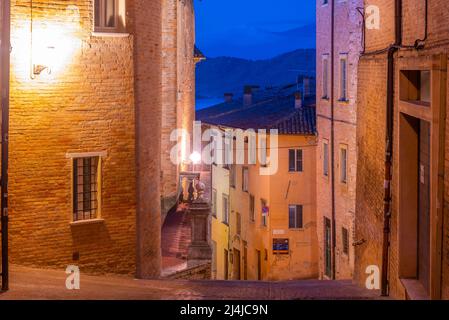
226	264
236	266
245	263
327	247
424	206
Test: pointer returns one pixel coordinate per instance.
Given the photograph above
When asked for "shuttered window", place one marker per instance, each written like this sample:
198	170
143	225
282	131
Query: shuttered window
326	159
295	217
295	160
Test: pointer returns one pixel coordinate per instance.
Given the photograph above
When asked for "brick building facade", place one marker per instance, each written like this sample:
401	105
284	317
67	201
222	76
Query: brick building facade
336	126
417	220
94	95
178	87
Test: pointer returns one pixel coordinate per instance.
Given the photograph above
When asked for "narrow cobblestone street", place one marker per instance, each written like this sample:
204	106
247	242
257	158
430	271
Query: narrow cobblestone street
27	283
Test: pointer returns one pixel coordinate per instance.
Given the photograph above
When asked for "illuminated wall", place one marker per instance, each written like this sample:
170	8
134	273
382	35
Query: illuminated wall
81	103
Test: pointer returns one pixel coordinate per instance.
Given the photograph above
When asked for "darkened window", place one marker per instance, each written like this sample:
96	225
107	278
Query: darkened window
252	215
295	217
343	79
345	239
85	188
326	159
228	152
295	161
238	217
232	176
107	15
264	212
325	79
225	209
245	179
415	86
343	165
214	203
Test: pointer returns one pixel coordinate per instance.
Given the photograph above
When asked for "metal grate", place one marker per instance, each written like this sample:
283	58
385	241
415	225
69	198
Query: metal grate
85	188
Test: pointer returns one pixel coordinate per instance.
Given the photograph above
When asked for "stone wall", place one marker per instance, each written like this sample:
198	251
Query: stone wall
200	272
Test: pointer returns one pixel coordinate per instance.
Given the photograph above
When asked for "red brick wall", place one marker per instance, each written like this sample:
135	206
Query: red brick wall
347	42
84	106
371	133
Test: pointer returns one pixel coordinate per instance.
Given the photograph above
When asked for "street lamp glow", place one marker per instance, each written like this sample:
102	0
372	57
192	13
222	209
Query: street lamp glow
195	158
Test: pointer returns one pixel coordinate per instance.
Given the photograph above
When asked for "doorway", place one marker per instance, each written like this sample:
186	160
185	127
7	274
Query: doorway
236	266
245	263
415	200
226	264
424	205
327	247
259	265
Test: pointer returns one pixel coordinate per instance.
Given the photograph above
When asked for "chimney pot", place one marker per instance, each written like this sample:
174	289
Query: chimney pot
248	96
306	86
298	100
228	97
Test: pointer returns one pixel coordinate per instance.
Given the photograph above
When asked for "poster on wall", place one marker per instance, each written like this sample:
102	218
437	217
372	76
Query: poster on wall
281	246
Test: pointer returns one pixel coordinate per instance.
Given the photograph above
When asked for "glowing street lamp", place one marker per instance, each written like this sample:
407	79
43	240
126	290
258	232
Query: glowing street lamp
195	158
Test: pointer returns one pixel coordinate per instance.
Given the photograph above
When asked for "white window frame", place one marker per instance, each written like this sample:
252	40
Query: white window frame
225	205
326	158
344	164
245	179
119	13
343	78
325	76
297	225
297	161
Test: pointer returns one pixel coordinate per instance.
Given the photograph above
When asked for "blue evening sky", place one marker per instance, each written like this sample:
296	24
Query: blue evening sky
254	29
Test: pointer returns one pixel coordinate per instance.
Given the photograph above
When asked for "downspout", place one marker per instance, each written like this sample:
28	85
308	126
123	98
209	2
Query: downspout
332	100
4	85
389	146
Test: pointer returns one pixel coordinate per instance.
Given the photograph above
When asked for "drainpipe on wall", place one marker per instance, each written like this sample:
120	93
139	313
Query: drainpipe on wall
389	146
4	85
334	236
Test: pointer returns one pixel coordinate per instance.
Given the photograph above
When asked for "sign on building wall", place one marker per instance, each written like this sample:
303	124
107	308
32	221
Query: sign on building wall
281	246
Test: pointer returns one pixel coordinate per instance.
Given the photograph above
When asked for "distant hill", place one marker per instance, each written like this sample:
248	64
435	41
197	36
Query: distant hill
257	43
215	76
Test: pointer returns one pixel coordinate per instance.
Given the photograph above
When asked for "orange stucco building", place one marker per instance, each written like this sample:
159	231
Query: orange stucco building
264	225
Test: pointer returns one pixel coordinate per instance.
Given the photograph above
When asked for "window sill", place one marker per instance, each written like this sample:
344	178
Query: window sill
296	229
102	34
343	101
86	222
414	289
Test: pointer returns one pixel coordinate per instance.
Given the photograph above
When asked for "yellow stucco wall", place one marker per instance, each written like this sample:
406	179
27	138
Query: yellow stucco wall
251	248
219	230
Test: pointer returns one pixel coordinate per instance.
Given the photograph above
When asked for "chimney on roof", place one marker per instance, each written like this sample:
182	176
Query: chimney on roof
248	96
306	86
228	97
298	100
